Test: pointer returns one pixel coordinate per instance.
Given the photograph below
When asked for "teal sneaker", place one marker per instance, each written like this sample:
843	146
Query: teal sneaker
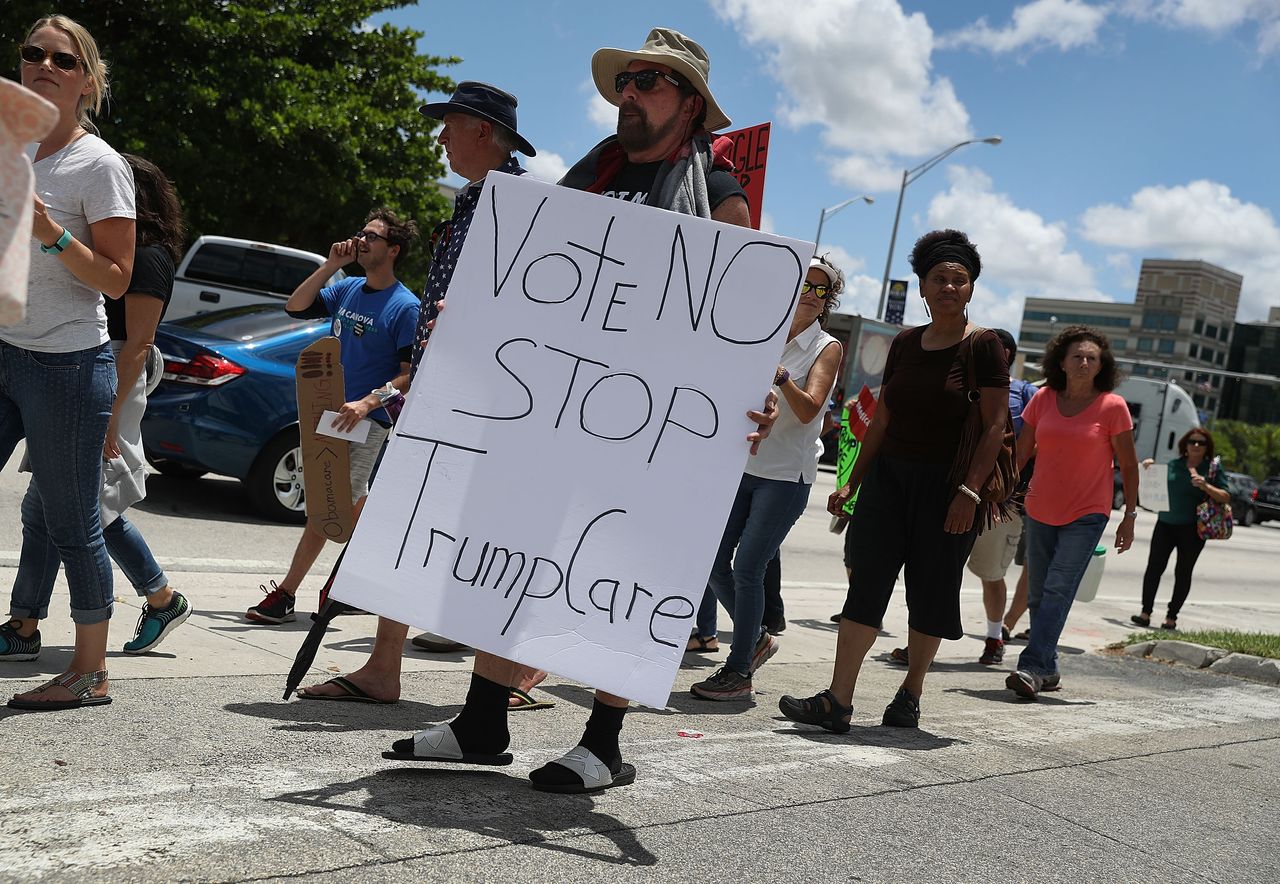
16	648
155	625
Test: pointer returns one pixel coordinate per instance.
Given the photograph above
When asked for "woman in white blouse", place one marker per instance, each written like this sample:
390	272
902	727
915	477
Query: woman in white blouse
774	488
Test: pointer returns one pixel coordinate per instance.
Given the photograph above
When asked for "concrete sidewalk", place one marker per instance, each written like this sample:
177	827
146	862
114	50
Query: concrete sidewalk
1136	771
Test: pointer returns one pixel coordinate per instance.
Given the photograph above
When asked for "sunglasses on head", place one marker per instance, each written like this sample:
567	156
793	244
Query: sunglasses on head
369	235
645	80
37	54
818	290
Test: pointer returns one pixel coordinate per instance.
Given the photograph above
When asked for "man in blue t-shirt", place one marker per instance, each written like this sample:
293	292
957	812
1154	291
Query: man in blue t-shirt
1003	543
374	316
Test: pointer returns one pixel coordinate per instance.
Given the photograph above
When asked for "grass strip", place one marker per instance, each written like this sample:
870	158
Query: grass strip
1260	644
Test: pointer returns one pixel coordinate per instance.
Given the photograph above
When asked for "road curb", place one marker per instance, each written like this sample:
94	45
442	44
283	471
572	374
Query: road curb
1220	660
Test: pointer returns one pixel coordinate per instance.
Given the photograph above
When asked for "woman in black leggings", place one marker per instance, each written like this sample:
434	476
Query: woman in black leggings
1193	477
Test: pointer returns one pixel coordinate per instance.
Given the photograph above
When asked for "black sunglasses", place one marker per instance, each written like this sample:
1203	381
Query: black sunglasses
368	235
645	80
37	54
1197	442
819	291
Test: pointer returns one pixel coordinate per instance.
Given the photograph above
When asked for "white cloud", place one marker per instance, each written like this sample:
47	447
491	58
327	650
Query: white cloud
859	69
1197	221
1215	16
603	114
861	294
1060	24
1022	253
767	224
546	166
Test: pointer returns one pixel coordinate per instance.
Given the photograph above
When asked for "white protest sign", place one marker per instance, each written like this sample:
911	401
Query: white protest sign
558	484
1153	487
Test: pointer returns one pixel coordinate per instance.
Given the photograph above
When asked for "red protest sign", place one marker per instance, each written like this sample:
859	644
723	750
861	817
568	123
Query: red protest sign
861	410
750	152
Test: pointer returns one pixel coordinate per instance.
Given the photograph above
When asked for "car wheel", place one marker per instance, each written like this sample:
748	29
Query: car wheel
1117	499
175	470
275	482
1249	517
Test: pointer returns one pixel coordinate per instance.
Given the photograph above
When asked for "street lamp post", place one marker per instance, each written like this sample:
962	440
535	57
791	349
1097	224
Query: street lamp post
822	216
909	176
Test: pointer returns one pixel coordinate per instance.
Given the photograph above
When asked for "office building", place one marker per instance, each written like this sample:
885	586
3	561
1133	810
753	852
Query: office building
1182	314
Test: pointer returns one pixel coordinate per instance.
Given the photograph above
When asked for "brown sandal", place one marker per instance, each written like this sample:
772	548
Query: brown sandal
699	645
79	684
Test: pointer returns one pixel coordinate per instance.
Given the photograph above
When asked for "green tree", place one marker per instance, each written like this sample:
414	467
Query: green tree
278	120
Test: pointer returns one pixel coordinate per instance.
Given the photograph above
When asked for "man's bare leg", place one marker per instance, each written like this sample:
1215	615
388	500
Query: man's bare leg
1018	606
379	677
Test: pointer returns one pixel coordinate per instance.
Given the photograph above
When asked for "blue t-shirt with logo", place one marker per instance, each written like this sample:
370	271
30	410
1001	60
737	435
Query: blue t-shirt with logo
376	330
1020	393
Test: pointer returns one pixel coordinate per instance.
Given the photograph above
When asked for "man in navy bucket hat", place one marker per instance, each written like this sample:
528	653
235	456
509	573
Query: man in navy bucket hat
479	136
484	102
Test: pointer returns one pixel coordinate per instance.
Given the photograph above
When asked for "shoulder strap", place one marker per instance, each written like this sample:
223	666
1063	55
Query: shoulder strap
971	369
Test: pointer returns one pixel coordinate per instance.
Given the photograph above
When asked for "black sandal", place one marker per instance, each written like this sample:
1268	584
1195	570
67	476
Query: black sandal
1143	620
810	711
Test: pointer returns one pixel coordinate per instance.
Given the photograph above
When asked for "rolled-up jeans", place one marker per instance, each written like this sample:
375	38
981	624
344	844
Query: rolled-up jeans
762	514
1057	556
60	403
125	545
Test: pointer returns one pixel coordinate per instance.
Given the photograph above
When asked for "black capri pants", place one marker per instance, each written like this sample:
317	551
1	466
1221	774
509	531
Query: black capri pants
897	525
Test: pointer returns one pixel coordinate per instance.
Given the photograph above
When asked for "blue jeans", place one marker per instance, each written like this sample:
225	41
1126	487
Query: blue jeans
762	514
60	402
125	545
1057	556
707	612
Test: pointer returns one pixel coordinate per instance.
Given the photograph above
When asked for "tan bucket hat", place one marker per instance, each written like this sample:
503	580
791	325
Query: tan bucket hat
665	46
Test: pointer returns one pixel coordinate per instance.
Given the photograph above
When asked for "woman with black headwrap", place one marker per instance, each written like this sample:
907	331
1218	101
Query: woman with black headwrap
911	515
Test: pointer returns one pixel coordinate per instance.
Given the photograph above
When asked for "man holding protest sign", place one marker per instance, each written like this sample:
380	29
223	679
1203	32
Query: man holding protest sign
374	317
663	156
479	136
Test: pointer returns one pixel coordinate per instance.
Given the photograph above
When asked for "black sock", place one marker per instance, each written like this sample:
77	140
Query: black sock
601	734
481	726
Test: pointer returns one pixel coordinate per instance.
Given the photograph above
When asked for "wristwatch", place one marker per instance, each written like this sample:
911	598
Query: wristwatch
1131	514
386	393
781	377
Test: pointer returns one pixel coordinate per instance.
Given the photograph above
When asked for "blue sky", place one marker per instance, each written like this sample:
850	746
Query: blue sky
1132	128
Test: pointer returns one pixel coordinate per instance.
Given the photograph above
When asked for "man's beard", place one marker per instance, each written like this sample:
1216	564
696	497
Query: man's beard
636	133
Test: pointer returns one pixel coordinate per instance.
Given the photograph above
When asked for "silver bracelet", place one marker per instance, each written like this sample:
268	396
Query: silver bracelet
970	493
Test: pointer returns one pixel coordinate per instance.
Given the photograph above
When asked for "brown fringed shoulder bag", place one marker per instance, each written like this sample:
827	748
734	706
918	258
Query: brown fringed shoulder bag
999	490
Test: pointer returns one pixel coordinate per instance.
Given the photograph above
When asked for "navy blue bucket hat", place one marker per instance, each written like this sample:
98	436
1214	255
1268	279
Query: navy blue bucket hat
483	101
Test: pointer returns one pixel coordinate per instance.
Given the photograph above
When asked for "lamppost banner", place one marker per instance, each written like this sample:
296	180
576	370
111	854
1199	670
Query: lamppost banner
896	307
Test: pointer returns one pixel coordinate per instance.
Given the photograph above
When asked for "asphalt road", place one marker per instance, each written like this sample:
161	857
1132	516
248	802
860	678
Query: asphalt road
1136	771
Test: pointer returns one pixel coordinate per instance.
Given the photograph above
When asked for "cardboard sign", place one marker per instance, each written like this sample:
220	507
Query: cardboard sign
750	154
1153	487
326	463
557	487
855	419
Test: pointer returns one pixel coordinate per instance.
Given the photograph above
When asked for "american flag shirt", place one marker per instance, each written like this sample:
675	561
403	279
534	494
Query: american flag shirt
446	245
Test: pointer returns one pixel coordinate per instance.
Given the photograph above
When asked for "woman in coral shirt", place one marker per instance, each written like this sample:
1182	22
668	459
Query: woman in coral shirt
1074	428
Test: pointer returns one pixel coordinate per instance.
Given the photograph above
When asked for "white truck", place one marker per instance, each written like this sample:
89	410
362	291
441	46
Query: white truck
1162	412
220	272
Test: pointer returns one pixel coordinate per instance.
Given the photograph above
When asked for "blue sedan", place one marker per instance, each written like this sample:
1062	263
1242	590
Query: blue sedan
227	403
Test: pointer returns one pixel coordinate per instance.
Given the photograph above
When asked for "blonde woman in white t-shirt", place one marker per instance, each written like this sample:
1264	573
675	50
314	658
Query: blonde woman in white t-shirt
774	489
57	374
